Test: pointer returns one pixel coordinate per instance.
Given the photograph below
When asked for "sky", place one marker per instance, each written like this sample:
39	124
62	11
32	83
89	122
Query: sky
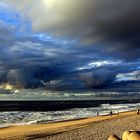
68	44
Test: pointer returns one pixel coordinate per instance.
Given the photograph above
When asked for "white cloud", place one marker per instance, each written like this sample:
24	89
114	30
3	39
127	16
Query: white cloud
96	64
132	76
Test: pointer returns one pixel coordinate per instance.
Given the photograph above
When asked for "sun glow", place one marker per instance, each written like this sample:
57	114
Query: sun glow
48	3
6	86
51	3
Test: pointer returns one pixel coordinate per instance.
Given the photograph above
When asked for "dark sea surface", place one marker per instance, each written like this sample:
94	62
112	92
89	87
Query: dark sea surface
25	116
22	107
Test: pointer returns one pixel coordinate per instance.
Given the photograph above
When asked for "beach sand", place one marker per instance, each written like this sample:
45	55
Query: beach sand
95	128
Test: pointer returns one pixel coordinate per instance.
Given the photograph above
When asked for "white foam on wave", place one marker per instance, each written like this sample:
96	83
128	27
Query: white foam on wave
25	118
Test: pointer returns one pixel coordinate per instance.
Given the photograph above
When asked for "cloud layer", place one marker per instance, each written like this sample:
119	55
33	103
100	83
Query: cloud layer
111	25
67	44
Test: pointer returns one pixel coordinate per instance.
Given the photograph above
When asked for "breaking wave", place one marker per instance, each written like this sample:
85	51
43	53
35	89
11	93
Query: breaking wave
21	118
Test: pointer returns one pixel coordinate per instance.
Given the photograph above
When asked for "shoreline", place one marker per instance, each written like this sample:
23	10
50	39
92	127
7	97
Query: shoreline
53	128
58	121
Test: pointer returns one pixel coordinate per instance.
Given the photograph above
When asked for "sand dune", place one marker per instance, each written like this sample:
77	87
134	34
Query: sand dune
95	128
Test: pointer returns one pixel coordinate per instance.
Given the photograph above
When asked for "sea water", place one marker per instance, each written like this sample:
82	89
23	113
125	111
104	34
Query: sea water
22	117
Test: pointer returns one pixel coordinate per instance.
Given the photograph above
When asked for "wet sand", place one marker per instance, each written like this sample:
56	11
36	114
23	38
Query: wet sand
95	128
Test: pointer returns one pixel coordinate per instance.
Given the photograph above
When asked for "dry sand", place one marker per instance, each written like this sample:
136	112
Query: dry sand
95	128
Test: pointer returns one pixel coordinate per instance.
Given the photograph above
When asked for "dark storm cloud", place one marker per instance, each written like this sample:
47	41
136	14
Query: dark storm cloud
98	78
109	26
99	37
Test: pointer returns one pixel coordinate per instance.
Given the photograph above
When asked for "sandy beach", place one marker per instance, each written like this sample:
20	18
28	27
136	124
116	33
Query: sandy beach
95	128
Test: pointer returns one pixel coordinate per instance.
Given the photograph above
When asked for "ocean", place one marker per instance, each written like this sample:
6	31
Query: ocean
11	118
31	106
